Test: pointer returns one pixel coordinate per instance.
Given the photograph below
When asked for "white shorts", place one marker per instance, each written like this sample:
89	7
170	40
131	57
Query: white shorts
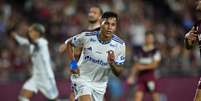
82	88
46	85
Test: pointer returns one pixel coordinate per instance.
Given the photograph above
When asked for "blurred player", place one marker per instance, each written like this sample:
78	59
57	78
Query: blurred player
102	53
42	78
146	60
192	38
94	16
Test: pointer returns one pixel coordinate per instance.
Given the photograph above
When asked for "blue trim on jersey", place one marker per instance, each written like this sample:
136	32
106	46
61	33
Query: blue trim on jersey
102	42
117	39
91	33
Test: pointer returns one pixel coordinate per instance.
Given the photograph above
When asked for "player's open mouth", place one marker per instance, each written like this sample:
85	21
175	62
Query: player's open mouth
108	32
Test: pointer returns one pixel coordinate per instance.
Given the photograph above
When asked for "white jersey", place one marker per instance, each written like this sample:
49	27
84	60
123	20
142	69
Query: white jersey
93	64
39	55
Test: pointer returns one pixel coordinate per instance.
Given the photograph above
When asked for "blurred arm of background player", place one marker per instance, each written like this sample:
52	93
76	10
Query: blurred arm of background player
140	67
137	67
191	38
20	39
62	48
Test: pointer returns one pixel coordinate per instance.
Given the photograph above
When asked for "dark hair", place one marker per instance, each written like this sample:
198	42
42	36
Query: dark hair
39	28
110	15
149	33
97	6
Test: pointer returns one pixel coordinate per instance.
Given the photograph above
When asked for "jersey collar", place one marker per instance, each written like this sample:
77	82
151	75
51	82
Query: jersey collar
101	41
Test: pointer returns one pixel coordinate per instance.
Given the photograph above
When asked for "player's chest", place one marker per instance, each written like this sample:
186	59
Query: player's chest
98	50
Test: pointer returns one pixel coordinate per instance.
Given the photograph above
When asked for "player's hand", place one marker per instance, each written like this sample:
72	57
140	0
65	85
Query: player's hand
62	48
110	57
13	34
191	35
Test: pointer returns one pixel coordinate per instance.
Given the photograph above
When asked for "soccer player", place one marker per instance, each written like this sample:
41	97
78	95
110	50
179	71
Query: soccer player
42	78
146	60
103	53
192	38
94	16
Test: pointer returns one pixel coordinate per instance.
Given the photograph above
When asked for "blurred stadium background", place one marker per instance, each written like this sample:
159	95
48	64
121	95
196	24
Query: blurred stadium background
178	72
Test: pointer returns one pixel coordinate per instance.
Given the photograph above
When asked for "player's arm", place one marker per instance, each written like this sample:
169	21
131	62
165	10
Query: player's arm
63	46
76	41
19	39
153	65
117	69
116	63
191	38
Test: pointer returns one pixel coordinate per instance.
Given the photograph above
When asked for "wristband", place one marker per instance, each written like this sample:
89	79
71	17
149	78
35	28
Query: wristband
73	64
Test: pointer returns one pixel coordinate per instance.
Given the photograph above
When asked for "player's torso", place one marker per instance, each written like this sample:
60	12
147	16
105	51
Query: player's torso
93	61
146	57
39	66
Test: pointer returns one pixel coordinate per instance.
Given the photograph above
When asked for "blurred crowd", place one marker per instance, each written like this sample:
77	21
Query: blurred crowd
168	19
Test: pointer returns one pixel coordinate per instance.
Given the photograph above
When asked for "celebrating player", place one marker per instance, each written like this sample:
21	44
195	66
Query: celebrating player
192	38
42	78
94	17
146	60
103	52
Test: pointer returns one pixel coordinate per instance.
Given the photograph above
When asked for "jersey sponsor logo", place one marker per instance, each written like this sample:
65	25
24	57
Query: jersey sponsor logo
100	62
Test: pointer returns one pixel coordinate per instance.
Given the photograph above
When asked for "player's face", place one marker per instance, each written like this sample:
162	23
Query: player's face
33	34
108	26
198	7
149	39
94	14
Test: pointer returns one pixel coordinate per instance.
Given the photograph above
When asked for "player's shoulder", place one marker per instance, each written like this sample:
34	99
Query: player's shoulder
118	39
91	30
89	33
42	41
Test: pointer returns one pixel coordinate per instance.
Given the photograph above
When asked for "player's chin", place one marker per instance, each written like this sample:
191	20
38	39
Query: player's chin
109	35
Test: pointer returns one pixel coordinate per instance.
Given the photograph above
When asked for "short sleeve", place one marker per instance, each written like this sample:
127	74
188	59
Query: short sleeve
157	56
120	58
78	40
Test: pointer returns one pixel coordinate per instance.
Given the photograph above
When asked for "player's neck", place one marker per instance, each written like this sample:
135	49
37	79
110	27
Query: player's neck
148	47
93	25
103	38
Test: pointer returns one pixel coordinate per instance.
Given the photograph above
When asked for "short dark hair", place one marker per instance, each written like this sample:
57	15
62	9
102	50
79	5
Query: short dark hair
110	15
149	32
97	6
38	27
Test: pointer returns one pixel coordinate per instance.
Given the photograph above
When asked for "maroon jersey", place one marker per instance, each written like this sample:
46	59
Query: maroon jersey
146	80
